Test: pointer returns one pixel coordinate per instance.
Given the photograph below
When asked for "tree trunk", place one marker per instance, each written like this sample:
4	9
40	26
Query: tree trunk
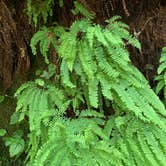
15	33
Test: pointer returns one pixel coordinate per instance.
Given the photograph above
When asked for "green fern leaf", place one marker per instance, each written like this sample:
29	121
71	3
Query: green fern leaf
65	75
93	93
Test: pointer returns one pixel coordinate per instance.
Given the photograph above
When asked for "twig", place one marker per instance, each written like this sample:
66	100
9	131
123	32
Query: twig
136	34
125	8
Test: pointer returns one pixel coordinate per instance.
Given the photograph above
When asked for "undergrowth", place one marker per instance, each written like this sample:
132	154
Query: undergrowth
94	74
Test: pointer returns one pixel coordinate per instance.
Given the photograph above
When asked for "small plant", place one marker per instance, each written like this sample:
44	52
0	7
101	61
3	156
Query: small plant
15	142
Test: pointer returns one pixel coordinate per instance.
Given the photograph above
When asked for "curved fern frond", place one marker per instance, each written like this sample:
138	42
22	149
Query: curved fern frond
65	75
39	9
81	9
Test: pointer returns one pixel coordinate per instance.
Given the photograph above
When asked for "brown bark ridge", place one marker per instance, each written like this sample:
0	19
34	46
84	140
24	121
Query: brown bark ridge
15	34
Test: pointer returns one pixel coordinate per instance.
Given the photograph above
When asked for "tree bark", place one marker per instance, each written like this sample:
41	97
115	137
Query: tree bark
15	33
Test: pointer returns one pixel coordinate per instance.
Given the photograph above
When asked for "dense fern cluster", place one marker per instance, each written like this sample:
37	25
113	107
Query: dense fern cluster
77	142
95	69
123	141
99	62
42	104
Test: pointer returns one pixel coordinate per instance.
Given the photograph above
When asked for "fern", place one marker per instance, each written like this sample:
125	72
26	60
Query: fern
65	75
41	9
45	38
111	57
80	9
94	68
42	102
161	78
139	142
77	142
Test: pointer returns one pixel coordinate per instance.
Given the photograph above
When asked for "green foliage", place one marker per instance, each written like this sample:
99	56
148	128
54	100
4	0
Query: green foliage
124	141
79	9
45	37
67	120
15	142
43	8
2	132
1	98
45	101
93	60
77	142
140	143
161	78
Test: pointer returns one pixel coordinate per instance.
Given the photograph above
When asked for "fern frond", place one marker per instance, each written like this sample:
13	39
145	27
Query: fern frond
144	106
23	87
80	9
90	113
105	86
80	26
86	60
103	64
151	97
41	37
65	75
161	78
90	35
68	50
93	93
67	140
22	103
39	8
127	100
100	35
